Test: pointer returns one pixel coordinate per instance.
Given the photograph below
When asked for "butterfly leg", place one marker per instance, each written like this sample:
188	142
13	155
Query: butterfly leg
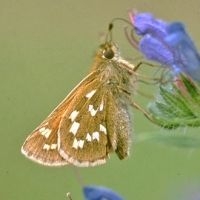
146	114
138	107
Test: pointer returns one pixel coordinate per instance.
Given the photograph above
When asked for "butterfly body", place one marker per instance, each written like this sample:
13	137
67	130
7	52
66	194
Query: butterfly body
92	121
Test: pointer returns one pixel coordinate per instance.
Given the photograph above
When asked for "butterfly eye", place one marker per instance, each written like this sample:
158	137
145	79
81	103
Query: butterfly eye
108	53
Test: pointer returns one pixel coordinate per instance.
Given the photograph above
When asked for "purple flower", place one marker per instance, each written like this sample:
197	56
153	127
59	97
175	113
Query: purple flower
167	43
100	193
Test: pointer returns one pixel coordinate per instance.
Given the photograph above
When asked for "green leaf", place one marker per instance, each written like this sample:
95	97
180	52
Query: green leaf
177	104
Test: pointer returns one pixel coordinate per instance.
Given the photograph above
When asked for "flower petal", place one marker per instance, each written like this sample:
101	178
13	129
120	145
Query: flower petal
100	193
145	23
155	50
167	43
186	56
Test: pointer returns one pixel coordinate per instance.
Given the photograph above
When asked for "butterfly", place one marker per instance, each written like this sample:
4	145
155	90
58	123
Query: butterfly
93	120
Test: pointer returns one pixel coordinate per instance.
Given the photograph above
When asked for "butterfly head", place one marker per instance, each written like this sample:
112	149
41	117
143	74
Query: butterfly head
108	51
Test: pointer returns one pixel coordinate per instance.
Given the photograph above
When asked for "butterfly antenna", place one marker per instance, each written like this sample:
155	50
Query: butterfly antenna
109	34
121	20
111	25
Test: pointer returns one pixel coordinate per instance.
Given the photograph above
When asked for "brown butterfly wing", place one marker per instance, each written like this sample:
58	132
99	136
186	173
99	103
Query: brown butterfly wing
42	144
101	126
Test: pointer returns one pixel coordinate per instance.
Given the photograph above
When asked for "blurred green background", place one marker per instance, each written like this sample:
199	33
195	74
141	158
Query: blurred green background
46	48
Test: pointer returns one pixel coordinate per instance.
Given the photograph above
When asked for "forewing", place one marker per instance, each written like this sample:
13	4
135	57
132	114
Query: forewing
42	144
83	139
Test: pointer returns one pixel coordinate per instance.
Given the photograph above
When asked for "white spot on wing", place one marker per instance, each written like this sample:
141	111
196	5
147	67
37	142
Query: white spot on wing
46	147
101	106
45	132
95	135
78	143
103	128
53	146
88	137
92	110
90	94
81	143
74	128
75	143
73	115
